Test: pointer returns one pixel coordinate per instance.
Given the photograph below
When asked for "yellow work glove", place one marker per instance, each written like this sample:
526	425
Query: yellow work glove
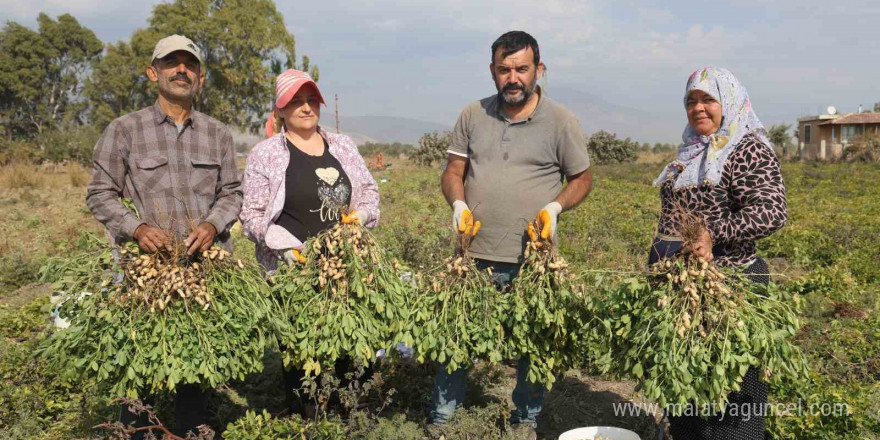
354	217
293	256
463	219
547	217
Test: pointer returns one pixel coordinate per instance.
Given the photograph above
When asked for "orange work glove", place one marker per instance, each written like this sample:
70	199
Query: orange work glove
463	219
548	217
354	217
293	256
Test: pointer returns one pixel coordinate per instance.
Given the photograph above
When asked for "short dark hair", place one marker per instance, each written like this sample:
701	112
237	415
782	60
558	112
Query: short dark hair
513	42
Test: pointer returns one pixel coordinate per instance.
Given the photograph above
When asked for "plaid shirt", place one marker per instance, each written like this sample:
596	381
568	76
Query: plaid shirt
176	179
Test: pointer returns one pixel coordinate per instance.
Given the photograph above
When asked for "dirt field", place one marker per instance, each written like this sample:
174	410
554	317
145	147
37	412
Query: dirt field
828	251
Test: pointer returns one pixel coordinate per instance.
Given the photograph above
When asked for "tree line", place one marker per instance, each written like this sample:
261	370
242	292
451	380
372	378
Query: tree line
60	85
604	147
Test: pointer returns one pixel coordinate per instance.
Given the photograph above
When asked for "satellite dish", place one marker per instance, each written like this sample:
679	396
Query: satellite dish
831	110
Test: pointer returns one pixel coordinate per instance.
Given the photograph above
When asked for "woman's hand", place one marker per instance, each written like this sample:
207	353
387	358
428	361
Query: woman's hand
292	256
357	217
702	247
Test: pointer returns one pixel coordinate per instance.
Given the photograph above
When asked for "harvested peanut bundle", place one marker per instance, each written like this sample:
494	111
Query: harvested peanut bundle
156	321
688	331
346	300
550	315
460	313
157	279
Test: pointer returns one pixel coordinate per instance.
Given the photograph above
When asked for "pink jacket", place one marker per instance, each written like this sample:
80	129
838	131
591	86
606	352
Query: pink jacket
264	193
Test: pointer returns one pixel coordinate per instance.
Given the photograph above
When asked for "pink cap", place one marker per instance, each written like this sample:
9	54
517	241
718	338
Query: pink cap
288	83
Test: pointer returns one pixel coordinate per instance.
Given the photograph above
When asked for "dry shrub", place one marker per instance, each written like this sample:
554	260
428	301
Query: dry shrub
79	175
19	151
848	310
651	157
20	176
863	149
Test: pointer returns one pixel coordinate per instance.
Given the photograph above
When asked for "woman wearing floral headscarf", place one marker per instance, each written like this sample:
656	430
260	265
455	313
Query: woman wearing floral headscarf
727	174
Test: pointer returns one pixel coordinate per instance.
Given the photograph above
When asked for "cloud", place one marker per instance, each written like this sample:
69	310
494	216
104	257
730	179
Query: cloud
427	59
654	16
28	10
110	20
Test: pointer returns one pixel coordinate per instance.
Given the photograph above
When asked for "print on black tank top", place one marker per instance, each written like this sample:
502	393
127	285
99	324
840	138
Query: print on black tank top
316	192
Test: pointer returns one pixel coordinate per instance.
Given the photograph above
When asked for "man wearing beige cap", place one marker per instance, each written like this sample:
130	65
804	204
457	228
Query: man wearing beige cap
178	167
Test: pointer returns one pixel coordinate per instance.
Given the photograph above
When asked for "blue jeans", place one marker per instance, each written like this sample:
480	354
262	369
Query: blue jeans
449	389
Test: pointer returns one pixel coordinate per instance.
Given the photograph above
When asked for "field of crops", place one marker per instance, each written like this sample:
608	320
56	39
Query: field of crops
829	254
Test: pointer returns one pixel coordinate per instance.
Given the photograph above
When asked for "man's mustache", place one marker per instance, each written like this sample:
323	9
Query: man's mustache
180	76
513	86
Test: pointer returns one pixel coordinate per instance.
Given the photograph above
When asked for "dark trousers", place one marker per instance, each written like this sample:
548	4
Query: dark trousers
728	427
190	411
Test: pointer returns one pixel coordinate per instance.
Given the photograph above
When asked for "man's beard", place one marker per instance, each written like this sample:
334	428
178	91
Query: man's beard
517	100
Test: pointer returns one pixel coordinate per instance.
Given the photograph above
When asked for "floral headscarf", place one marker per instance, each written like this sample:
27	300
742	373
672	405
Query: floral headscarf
703	157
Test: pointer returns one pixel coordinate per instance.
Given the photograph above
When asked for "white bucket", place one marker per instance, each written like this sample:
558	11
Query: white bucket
591	432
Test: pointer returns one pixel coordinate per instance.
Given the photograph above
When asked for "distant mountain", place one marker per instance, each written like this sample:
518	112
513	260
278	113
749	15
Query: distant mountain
359	139
387	129
363	129
597	114
593	112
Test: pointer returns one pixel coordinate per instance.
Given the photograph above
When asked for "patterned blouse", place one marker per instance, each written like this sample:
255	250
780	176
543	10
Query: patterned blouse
747	204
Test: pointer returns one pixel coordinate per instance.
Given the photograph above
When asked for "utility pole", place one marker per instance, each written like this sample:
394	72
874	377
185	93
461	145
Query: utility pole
336	110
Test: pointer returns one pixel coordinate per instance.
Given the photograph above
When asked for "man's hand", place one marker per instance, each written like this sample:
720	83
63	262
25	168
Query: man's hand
548	216
201	238
353	217
463	219
151	239
702	247
293	256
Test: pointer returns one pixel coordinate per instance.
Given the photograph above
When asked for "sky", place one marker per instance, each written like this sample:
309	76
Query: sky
426	60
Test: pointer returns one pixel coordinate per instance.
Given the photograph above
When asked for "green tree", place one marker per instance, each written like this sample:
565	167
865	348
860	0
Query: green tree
433	147
118	84
780	137
42	74
244	44
605	148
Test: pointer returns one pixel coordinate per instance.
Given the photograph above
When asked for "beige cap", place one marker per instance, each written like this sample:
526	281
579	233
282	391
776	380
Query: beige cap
174	43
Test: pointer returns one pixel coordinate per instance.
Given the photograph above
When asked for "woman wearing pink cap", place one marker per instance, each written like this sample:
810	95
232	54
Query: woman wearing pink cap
299	182
302	179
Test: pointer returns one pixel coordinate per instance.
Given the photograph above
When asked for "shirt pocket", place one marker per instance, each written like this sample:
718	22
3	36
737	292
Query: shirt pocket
154	175
204	176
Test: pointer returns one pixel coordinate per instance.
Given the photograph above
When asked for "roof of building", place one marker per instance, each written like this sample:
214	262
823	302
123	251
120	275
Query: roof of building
817	118
856	118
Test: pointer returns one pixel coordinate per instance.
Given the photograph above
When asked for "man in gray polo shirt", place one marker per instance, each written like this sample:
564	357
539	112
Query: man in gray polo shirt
509	155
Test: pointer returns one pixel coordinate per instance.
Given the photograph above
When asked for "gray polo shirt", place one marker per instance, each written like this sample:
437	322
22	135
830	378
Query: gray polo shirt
514	169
